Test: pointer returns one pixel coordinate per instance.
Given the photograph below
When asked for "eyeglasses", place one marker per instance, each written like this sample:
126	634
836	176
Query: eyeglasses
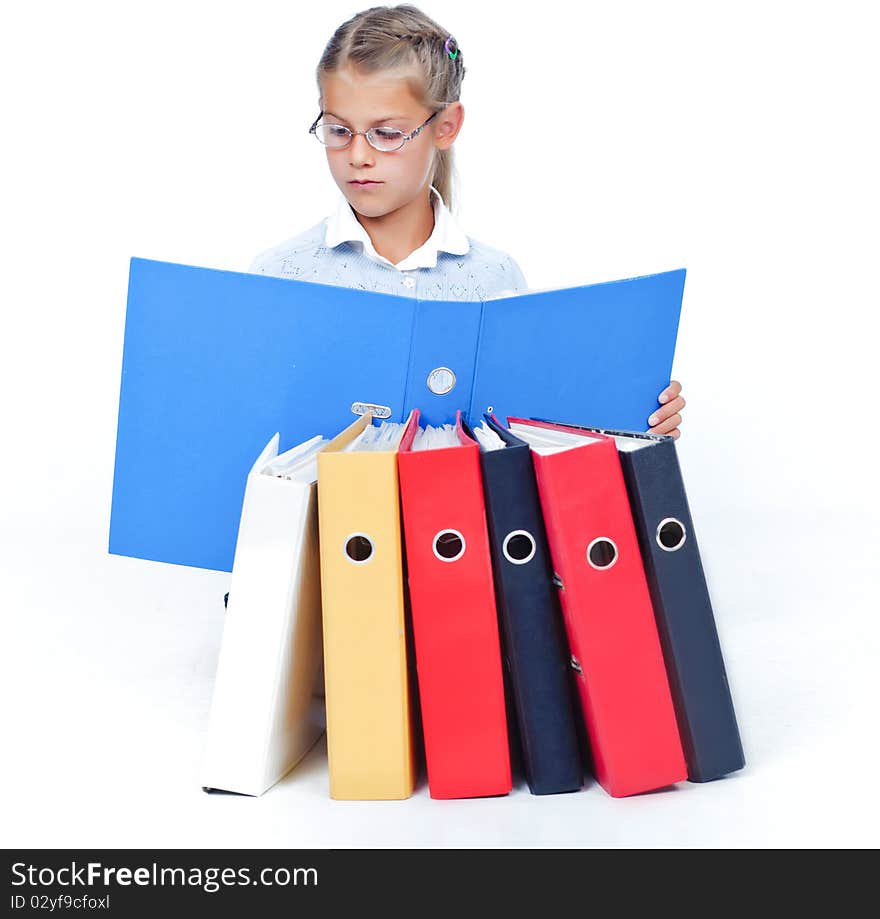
385	140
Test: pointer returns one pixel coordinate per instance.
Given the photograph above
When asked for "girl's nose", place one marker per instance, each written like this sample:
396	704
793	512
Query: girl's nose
360	150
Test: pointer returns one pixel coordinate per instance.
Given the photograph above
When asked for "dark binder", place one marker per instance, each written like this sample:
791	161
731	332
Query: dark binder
533	638
685	621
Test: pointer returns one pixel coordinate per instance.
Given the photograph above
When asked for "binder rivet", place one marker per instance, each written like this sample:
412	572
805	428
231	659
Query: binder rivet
441	380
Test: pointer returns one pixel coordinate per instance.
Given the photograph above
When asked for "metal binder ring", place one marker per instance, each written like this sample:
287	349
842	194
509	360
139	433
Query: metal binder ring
518	547
358	548
671	534
602	553
448	545
441	380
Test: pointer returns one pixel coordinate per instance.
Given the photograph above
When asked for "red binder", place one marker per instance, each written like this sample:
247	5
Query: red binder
454	619
606	605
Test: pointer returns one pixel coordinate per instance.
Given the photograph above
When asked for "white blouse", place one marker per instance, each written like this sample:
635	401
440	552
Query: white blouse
449	265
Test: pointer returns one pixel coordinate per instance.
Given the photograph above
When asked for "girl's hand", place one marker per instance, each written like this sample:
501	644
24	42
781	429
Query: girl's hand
667	418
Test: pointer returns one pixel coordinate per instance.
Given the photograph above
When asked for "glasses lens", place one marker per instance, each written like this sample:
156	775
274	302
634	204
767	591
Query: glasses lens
385	139
333	135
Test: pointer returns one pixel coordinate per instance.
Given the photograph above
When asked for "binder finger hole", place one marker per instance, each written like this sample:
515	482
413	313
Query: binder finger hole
359	548
449	545
518	547
671	534
602	553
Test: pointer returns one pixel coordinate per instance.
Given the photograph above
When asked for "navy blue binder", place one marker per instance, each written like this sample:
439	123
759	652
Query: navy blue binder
682	606
532	631
215	362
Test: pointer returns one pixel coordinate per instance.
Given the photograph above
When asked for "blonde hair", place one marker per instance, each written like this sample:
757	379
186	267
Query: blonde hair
395	37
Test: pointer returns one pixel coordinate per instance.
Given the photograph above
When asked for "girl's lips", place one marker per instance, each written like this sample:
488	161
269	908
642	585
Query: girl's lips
363	184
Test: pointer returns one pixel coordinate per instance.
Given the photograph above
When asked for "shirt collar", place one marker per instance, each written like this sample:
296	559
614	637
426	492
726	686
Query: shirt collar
447	236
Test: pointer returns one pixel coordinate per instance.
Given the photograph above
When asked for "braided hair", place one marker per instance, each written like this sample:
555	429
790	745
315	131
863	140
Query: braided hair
403	37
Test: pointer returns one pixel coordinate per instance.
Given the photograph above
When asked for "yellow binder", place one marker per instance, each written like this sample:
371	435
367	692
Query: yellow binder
369	729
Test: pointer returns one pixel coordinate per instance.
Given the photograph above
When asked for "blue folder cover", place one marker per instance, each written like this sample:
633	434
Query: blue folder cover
214	362
532	630
685	621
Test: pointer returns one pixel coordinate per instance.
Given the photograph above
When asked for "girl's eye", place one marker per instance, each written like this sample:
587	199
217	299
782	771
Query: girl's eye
387	133
336	130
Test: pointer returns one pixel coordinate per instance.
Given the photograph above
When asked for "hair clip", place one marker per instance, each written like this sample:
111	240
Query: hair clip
451	48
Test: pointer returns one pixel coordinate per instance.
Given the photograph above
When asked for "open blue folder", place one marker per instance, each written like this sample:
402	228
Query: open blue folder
215	362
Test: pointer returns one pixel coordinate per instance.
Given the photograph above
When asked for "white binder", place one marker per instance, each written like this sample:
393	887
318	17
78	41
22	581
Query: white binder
267	709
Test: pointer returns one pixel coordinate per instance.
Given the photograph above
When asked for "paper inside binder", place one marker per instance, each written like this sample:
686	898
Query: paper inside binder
377	438
626	441
546	441
487	438
629	443
299	464
435	438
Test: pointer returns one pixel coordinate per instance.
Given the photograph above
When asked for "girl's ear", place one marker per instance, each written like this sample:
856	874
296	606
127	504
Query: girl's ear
448	124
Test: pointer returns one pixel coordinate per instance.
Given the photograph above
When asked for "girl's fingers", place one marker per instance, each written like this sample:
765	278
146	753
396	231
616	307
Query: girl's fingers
667	411
671	391
667	426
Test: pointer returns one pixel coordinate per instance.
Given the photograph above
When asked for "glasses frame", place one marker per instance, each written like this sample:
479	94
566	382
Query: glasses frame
352	134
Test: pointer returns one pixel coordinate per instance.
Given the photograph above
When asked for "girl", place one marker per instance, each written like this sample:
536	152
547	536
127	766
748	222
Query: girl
389	83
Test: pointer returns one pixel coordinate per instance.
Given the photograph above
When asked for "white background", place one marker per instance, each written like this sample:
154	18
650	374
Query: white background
600	141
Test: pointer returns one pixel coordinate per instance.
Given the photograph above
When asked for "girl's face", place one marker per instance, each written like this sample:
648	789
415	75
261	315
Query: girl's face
361	101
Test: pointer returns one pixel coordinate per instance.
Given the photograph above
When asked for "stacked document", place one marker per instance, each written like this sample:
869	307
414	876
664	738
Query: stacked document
512	584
